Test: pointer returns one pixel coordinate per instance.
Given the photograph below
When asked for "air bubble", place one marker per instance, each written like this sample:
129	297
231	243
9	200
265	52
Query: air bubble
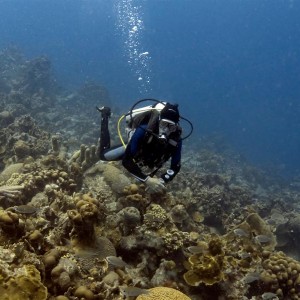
131	26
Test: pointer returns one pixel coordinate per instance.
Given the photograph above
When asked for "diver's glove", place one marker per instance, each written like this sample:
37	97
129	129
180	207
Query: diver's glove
155	185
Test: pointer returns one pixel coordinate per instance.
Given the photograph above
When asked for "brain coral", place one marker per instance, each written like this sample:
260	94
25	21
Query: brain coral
115	178
163	293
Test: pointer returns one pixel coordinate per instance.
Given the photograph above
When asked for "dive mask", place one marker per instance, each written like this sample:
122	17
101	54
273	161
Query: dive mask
166	127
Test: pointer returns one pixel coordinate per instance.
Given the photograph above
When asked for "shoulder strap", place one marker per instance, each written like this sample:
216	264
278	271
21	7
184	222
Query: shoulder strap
152	120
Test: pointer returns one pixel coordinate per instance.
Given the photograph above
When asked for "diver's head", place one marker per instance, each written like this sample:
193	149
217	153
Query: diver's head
168	122
170	112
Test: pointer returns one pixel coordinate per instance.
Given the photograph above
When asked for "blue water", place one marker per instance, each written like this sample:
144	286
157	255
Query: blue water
233	66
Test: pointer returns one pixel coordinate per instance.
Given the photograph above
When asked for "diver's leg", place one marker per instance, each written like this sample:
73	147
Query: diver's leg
104	144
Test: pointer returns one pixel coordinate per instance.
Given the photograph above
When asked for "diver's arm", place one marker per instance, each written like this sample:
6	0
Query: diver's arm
131	150
133	168
175	165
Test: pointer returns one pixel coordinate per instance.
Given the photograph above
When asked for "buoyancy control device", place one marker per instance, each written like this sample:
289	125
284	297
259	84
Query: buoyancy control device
136	117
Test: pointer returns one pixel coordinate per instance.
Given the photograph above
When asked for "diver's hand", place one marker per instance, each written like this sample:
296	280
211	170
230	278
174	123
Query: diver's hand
155	185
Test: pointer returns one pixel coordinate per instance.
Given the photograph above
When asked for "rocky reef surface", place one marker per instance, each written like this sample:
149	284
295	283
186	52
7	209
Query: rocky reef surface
72	227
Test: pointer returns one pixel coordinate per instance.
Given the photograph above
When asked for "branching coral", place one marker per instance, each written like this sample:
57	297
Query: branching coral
175	240
155	217
36	177
85	157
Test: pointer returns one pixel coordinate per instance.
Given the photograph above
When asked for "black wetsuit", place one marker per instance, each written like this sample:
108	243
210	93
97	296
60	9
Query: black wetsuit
145	149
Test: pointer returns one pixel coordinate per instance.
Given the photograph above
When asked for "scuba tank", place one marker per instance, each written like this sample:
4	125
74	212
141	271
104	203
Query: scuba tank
144	115
140	116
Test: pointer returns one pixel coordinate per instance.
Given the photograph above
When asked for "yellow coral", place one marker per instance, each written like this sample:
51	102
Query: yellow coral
205	269
24	286
131	189
198	217
281	275
155	216
134	197
163	293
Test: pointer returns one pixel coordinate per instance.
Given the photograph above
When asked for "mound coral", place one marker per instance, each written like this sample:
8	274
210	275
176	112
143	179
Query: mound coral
9	223
115	178
84	217
281	275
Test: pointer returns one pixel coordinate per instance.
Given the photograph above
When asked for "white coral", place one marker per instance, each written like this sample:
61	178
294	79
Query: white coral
10	191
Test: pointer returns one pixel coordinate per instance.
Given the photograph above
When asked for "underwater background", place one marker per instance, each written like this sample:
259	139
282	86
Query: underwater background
233	66
76	227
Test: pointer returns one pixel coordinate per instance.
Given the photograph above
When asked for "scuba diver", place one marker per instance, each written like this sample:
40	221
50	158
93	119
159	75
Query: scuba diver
154	137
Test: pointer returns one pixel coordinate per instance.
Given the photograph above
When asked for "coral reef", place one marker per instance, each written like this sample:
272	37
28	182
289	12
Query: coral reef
22	139
74	227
